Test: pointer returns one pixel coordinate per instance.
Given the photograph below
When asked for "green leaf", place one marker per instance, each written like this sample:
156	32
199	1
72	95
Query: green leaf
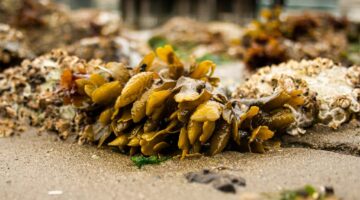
218	59
288	195
157	41
140	161
310	190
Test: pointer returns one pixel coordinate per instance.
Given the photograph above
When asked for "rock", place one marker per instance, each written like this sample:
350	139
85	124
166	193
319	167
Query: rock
345	140
201	177
223	182
224	186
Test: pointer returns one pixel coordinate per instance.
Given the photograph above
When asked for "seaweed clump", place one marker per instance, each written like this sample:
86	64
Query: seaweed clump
272	40
162	105
189	37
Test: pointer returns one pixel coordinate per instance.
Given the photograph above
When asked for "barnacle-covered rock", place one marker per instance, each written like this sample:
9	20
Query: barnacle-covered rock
13	48
28	93
46	24
166	105
331	91
106	48
49	25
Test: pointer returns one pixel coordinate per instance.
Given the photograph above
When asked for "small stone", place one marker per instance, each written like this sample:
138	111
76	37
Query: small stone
202	177
224	186
55	192
239	181
222	182
95	157
329	190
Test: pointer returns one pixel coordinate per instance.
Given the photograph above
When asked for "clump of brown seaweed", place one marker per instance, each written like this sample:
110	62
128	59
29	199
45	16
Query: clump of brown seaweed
201	40
272	40
331	91
163	104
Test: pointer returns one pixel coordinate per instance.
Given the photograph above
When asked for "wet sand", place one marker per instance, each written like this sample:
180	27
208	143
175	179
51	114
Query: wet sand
40	167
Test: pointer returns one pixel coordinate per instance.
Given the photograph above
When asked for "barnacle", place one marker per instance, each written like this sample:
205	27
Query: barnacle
29	92
164	106
328	93
13	47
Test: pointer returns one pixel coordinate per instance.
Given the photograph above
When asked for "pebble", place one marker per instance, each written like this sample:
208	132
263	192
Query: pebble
55	192
223	182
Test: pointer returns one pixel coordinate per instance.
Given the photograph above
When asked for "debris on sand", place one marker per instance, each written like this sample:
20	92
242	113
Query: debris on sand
223	182
309	192
141	160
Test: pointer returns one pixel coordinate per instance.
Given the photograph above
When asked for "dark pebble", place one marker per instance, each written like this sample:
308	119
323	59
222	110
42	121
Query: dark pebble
222	182
224	187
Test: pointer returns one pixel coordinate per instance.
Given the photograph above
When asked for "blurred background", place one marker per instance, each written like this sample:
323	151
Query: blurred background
151	13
